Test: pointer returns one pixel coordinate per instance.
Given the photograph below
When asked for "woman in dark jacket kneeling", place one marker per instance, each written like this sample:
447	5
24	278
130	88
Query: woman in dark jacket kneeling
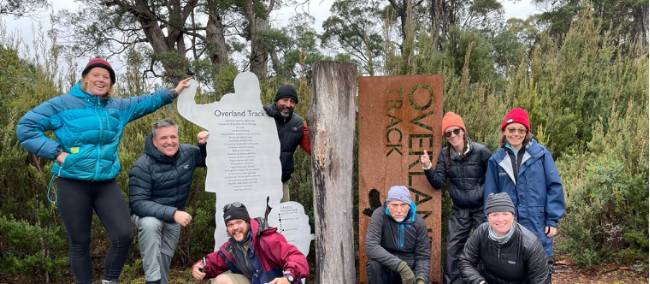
502	251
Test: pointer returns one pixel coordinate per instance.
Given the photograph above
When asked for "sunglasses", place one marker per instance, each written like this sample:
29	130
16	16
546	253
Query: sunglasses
454	132
235	204
514	130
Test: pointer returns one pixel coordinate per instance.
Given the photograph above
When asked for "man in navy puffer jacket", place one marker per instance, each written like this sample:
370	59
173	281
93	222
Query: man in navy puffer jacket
159	185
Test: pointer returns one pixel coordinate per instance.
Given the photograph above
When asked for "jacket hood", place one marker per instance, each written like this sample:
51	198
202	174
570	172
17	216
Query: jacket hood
469	148
77	91
153	152
534	149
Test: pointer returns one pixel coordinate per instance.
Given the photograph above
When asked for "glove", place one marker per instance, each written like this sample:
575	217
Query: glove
420	280
406	273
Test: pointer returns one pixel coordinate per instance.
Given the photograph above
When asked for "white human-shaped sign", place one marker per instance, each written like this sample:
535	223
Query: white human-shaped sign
243	149
293	224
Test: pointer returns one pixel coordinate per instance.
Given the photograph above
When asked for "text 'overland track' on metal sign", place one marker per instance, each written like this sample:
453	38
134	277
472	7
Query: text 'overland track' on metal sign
399	118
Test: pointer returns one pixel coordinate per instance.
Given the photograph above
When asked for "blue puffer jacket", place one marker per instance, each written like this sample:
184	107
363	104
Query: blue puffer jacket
537	192
87	127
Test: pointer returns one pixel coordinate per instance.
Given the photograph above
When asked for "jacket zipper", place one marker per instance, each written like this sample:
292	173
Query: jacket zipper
101	130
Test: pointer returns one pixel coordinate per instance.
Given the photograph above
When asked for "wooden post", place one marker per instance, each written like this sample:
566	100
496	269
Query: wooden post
332	124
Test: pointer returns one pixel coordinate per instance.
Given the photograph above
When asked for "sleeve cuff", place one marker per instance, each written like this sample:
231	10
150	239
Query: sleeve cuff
551	223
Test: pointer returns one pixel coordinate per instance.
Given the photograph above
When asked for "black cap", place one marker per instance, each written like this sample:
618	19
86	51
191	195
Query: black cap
286	91
235	210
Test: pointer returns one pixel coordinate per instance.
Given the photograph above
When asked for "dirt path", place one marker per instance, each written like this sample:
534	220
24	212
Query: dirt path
565	273
607	274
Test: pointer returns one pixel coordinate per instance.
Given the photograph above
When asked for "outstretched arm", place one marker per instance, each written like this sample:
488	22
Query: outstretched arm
190	110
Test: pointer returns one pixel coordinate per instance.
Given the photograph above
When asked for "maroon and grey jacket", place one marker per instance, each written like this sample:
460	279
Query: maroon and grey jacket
275	255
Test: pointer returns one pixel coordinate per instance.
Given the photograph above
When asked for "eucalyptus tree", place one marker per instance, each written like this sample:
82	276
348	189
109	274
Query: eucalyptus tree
168	32
354	26
20	7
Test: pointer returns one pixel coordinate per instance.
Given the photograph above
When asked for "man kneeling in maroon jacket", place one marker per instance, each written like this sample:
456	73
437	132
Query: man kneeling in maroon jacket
254	253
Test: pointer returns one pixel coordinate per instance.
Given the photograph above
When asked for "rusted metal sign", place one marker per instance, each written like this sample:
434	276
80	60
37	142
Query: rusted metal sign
399	117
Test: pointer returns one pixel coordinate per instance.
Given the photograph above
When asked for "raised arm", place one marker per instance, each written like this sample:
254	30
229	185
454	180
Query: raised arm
190	110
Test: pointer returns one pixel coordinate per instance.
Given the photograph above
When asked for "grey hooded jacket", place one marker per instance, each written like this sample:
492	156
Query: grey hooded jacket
390	242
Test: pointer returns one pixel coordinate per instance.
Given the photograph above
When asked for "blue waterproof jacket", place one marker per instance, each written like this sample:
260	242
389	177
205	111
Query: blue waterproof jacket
86	126
536	191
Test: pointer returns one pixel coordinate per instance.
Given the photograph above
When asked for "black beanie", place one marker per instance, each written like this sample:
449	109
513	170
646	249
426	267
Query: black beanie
232	212
286	91
499	202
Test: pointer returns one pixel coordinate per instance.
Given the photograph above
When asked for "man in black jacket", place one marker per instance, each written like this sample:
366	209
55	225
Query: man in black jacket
397	245
292	131
502	251
159	184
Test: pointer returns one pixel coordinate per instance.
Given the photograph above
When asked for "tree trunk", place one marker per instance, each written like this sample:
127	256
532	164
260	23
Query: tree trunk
332	123
439	23
214	36
409	36
259	54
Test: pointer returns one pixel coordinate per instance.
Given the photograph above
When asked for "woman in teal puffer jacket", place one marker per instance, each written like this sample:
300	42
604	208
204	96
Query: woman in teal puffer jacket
88	125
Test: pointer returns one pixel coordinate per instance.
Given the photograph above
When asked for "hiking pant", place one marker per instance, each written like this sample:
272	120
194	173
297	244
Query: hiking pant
157	241
461	222
76	201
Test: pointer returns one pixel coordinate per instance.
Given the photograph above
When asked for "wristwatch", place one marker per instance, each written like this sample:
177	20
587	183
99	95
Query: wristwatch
288	276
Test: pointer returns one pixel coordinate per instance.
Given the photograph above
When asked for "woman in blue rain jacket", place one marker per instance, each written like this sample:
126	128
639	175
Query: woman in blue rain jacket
525	170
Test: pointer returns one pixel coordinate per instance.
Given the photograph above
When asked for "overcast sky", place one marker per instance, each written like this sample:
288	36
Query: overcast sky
27	28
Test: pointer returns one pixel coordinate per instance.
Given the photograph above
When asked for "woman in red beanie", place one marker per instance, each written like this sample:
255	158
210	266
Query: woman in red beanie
463	163
526	171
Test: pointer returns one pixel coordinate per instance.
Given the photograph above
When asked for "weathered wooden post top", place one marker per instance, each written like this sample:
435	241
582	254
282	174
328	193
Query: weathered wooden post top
332	124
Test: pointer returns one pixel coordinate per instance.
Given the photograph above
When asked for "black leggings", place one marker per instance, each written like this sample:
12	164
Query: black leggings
76	201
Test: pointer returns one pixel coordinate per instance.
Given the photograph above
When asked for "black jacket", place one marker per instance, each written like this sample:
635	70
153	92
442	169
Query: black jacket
290	132
520	260
465	172
384	236
158	184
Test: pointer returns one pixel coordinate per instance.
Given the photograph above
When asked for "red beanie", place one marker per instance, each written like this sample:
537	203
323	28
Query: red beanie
516	115
102	63
452	119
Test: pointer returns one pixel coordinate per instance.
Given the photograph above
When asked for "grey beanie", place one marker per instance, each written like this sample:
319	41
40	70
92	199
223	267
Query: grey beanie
399	192
499	202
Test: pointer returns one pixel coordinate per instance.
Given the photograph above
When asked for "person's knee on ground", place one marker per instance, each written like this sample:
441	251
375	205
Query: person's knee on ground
375	272
223	278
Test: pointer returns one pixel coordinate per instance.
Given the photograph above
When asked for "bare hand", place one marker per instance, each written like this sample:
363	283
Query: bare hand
61	157
182	85
197	270
183	218
425	161
202	137
280	280
550	231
